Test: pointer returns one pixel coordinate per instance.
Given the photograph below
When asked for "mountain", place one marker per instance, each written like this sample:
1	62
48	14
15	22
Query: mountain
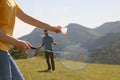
35	37
109	32
107	53
91	38
103	40
107	40
76	34
108	28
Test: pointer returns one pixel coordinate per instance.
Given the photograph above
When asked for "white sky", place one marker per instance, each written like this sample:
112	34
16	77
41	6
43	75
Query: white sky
89	13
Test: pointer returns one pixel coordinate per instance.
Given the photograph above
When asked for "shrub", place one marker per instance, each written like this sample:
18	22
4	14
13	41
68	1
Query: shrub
18	54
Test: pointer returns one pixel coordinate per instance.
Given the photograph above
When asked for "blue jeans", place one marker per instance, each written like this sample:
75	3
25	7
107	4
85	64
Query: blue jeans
8	68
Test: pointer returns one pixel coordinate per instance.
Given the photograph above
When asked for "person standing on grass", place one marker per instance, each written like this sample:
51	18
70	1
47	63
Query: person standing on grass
47	42
9	10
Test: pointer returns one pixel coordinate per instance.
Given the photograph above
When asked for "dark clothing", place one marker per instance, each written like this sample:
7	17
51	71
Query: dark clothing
48	41
50	56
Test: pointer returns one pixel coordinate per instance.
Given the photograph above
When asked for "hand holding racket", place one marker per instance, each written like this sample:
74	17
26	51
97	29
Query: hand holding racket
63	30
33	47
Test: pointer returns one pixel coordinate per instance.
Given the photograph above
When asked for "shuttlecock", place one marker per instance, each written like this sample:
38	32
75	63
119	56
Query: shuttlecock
64	31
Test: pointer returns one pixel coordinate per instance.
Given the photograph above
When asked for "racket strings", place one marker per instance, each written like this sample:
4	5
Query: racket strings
75	57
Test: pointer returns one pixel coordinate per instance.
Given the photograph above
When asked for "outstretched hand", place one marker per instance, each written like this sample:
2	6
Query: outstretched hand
57	29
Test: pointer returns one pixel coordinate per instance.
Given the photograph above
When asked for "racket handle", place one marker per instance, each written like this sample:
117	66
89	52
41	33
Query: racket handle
33	47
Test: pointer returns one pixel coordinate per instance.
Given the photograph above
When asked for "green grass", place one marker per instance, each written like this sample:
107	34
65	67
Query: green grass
32	69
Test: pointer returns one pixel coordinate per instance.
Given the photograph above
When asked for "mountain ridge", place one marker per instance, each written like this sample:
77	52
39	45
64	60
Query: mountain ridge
98	39
77	33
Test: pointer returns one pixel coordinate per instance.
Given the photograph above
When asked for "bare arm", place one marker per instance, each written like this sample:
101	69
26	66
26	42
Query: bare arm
34	22
41	45
10	40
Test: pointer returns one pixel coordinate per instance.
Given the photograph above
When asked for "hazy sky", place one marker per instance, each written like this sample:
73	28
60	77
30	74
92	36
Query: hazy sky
89	13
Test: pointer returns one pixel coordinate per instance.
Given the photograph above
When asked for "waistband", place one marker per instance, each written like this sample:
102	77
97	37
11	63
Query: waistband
4	52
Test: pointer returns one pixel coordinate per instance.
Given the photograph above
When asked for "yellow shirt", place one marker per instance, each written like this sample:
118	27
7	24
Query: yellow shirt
7	19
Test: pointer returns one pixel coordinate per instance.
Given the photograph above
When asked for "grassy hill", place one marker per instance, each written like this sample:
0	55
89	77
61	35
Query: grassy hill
32	69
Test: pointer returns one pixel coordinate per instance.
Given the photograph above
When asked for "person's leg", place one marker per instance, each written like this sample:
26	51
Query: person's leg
47	60
16	74
52	61
5	68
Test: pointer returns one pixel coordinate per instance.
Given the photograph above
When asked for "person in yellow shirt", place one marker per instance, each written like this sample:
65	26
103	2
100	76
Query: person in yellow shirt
9	10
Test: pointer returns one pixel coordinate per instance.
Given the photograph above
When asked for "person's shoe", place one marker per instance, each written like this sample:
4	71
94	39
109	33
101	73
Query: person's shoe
49	69
53	68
